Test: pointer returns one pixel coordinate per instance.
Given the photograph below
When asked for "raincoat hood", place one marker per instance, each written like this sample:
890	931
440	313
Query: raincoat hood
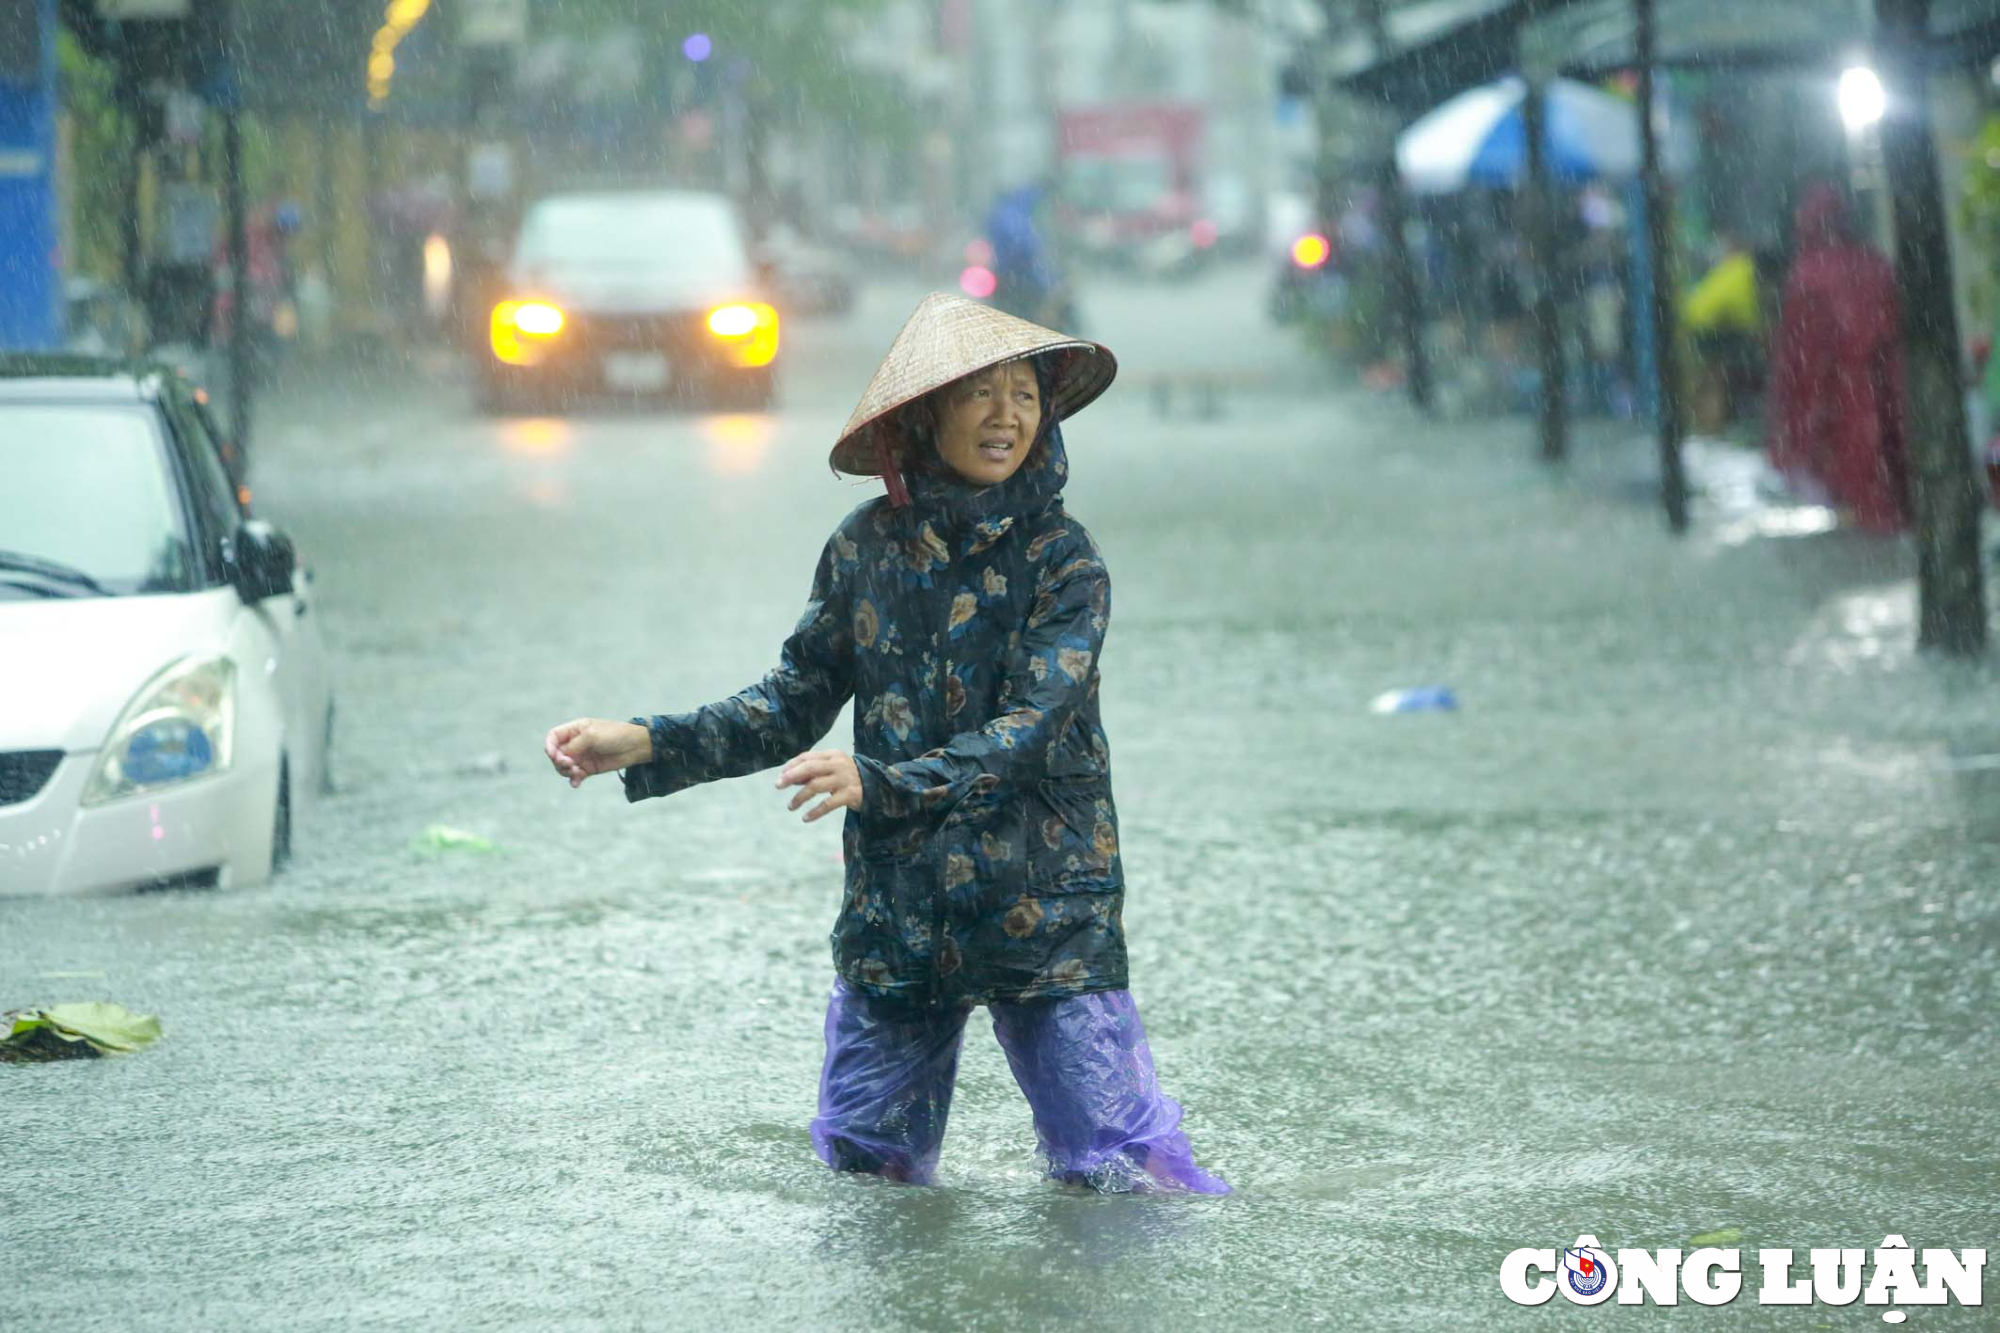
1823	220
953	504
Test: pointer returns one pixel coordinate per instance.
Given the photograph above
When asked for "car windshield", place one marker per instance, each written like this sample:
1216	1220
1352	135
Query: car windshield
666	237
88	493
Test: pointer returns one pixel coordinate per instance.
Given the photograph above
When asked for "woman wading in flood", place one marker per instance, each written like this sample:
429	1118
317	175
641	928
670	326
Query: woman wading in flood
963	612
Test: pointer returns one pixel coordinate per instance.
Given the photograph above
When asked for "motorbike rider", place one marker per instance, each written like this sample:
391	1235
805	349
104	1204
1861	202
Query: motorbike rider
1029	283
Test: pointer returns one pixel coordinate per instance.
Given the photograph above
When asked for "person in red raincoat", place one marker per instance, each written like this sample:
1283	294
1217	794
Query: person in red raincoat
1837	371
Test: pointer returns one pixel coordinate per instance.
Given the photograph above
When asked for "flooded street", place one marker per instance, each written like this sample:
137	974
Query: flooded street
1685	920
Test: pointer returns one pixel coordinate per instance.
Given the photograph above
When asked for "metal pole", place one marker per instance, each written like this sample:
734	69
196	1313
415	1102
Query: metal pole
1659	252
1542	247
1944	490
468	252
132	262
239	284
1408	292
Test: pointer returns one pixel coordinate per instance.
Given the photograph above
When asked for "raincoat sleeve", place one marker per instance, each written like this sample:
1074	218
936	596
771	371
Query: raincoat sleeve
786	712
1051	678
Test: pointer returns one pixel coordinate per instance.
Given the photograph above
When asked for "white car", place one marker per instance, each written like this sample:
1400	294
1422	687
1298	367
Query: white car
164	703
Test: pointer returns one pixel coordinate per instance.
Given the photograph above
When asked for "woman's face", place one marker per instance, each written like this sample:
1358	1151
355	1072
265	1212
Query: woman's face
988	421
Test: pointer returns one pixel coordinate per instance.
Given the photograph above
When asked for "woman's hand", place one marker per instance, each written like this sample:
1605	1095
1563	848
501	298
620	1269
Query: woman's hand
591	745
828	773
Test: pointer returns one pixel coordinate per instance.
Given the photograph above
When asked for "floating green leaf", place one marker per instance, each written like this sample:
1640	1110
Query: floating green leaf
1725	1236
74	1031
444	838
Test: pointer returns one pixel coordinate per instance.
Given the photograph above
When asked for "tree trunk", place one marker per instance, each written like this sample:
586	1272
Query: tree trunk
1659	248
1945	496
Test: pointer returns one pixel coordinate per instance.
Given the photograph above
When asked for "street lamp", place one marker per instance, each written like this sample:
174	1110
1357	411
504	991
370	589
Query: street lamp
1862	100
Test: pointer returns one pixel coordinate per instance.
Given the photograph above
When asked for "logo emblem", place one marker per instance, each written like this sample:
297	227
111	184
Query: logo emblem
1586	1269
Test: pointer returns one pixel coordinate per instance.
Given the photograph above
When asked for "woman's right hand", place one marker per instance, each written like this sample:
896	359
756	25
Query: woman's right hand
592	745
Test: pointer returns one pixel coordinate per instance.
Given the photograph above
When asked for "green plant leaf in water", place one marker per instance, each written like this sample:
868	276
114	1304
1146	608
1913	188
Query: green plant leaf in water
68	1030
1724	1236
443	838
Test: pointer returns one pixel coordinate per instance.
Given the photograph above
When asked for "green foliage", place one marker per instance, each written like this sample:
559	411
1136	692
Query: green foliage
797	71
1982	181
1979	212
444	838
100	148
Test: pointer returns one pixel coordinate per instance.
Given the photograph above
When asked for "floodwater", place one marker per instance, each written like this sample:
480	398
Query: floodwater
1687	920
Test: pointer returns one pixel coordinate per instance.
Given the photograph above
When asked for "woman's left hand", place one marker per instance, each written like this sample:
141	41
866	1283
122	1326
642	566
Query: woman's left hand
828	773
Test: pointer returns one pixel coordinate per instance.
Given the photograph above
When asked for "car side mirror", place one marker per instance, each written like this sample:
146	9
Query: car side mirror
261	561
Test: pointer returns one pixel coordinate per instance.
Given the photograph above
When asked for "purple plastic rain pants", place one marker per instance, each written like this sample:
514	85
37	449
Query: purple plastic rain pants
1082	1063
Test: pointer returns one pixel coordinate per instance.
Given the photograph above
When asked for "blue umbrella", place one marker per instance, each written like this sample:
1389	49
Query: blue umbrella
1480	138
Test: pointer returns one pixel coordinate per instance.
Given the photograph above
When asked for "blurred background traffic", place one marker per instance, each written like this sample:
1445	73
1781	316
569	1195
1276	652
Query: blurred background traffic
363	172
379	161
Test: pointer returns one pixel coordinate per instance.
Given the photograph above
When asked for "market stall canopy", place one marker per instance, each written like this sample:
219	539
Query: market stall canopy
1438	53
1479	138
1440	49
1595	36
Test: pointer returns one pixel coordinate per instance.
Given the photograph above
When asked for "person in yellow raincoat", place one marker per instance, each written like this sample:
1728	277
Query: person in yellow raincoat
1723	319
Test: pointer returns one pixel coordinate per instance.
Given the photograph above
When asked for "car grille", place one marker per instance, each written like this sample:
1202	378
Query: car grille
671	334
23	773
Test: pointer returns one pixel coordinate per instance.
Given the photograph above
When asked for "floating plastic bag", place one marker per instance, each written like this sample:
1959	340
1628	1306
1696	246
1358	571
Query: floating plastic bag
1424	699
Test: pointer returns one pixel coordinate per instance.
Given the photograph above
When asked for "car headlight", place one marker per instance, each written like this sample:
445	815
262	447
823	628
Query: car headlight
748	329
180	726
520	330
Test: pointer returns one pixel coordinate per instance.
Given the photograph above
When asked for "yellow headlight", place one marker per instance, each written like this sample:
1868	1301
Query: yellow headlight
732	321
538	318
750	329
519	330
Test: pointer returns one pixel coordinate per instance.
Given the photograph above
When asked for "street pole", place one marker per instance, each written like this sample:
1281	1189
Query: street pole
1659	253
239	282
488	35
1404	283
1326	139
128	98
1406	298
1944	490
1542	250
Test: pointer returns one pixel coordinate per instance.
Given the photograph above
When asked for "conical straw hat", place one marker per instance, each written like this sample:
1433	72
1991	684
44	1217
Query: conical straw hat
950	336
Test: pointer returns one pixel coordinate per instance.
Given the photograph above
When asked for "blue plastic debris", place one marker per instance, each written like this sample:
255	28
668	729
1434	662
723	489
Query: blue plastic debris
1423	699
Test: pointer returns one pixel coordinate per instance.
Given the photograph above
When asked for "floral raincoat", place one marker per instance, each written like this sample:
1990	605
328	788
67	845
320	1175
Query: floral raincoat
966	626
